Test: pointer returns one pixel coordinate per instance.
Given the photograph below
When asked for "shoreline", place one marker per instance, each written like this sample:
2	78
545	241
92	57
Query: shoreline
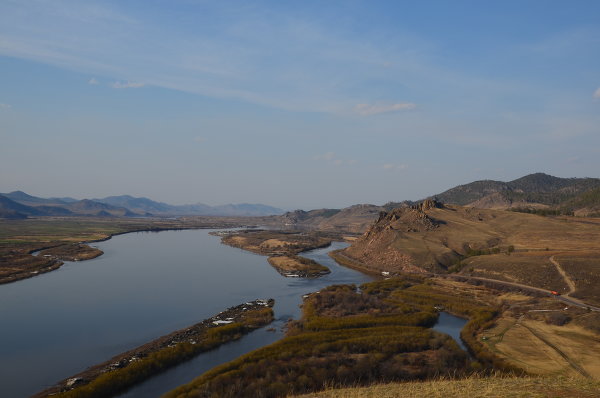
134	366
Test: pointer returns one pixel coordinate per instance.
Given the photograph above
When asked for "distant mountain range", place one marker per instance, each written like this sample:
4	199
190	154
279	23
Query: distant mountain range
537	192
19	204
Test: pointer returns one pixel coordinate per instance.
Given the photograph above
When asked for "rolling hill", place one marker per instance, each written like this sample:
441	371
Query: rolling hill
537	190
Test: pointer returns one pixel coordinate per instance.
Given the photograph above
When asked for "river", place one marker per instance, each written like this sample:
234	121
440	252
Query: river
145	285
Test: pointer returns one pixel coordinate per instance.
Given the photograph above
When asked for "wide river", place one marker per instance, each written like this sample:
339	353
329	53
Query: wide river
145	285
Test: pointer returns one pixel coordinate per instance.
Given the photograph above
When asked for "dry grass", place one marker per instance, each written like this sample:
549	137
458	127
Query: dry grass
513	338
584	269
529	268
473	387
405	242
543	349
288	263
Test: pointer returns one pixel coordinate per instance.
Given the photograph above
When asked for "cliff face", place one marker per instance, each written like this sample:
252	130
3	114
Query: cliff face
381	249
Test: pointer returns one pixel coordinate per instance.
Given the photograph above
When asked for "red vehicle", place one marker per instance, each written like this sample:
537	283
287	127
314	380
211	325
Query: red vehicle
555	293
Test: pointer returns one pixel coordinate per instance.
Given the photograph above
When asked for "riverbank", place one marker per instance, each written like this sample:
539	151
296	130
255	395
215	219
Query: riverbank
134	366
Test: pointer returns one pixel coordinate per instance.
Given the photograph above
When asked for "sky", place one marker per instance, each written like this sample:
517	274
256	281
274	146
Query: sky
303	104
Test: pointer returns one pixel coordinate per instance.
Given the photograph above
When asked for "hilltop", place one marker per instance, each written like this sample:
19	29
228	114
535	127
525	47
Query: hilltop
534	191
537	193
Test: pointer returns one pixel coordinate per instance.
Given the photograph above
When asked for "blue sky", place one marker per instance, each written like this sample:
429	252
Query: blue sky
294	104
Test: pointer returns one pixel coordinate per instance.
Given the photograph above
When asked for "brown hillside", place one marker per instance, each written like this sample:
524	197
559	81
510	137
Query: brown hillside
437	238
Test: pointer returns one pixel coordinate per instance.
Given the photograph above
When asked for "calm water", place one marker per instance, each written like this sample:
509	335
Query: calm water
451	325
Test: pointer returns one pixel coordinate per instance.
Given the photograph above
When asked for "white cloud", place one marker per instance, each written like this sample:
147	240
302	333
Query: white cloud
5	106
597	93
375	109
93	81
127	84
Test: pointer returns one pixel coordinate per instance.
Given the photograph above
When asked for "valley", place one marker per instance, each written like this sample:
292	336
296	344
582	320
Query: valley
525	281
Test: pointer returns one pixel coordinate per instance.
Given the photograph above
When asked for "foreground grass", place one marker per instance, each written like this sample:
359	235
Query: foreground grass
473	387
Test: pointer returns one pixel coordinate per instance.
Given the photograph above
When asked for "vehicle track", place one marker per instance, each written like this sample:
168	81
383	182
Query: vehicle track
572	363
566	277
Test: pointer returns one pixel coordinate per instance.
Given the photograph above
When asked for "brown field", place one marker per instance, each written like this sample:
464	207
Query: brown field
584	269
537	334
528	268
473	387
540	348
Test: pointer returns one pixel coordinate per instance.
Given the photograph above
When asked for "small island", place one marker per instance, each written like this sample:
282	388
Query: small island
292	266
282	247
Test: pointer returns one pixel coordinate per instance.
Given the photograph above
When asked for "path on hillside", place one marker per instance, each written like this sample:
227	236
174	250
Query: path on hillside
522	287
567	300
566	277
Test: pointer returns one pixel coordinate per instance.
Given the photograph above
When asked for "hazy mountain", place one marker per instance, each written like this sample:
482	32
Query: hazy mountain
26	199
139	205
145	205
11	209
124	206
93	208
65	199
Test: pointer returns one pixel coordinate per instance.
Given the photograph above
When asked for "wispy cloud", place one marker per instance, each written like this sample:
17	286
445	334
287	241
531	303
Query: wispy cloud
93	81
597	93
199	139
393	166
5	106
375	109
127	84
328	156
318	68
332	158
